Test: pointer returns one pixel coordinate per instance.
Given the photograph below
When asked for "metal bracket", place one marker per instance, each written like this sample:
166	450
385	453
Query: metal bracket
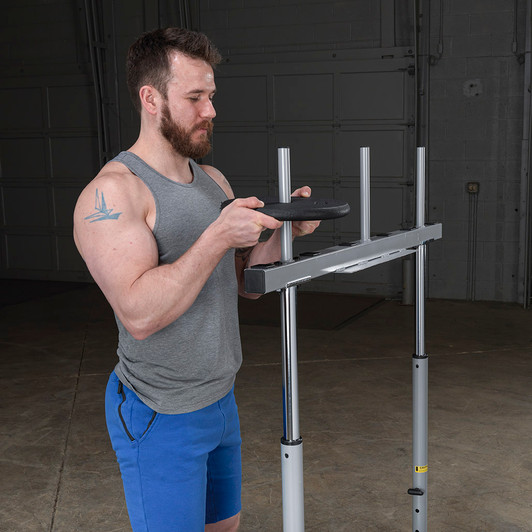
357	256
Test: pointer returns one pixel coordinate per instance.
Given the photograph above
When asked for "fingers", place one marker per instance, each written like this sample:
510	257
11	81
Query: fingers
304	228
267	222
261	219
303	192
242	225
250	203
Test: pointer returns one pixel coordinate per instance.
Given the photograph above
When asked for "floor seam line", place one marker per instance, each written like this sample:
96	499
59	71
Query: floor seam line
69	424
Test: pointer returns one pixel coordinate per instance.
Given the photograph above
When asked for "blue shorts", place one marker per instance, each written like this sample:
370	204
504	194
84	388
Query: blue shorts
179	471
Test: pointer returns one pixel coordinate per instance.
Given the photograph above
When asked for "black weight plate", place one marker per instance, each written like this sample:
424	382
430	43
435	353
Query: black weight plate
300	209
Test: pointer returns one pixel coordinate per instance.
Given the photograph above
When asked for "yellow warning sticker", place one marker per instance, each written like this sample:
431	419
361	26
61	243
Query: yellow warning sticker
422	469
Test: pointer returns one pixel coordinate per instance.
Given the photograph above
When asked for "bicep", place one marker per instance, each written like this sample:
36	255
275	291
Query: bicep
117	246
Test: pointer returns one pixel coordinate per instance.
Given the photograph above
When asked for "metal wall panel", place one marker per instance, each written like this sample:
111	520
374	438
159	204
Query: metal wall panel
245	99
26	206
388	155
303	97
70	107
74	157
372	96
47	155
252	156
311	152
23	158
68	256
64	200
11	103
29	252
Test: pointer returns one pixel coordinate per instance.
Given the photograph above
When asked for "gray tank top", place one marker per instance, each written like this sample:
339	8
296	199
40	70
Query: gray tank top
192	362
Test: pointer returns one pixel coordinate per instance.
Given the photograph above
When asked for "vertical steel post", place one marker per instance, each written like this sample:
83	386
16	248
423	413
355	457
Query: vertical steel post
291	442
364	193
420	372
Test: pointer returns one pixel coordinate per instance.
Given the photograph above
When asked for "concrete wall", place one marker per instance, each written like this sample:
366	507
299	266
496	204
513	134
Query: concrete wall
476	127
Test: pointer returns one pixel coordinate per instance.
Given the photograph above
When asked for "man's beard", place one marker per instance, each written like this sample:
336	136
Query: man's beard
181	140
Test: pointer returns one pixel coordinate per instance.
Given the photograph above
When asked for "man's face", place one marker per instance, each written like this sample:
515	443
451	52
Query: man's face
186	116
184	141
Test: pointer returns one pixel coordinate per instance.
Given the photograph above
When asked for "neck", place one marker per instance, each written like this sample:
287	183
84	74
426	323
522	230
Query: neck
157	152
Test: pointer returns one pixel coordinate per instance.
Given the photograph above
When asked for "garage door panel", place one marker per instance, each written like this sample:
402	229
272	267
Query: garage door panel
387	152
74	158
241	99
29	252
12	100
65	200
68	256
26	206
311	153
31	166
241	153
386	210
303	97
71	107
372	96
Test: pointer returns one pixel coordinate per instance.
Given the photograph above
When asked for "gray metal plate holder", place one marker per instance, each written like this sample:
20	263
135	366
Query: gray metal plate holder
350	257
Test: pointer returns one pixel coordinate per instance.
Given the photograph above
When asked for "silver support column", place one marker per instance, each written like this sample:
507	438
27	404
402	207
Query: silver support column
291	443
364	194
420	371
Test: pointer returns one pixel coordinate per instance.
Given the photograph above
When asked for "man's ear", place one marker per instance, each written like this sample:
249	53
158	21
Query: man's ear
149	99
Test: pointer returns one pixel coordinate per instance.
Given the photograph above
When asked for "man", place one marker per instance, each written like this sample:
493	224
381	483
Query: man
151	232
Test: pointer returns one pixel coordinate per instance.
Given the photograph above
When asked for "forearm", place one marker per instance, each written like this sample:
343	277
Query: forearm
267	251
163	293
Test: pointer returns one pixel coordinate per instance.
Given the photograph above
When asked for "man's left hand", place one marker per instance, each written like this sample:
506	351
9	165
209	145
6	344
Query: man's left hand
302	228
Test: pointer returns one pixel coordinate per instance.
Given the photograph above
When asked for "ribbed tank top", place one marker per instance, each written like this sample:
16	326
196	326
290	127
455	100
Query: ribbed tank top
192	362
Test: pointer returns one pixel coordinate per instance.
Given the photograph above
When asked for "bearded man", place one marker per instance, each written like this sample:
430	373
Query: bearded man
170	263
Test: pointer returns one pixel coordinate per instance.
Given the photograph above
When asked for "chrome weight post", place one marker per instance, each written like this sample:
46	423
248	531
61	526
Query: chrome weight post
346	258
291	442
420	372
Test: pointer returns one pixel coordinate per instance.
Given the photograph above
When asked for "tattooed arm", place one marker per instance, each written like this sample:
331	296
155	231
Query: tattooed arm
113	223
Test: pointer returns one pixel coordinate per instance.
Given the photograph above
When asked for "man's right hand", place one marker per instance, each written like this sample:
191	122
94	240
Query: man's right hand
240	226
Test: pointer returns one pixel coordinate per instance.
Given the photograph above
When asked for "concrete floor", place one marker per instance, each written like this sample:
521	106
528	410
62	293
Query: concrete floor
58	472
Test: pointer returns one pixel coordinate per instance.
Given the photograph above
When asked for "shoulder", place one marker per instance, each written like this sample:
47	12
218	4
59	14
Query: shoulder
114	175
114	192
114	179
219	178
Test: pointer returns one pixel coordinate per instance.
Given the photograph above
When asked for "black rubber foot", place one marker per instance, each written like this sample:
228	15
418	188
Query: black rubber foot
301	209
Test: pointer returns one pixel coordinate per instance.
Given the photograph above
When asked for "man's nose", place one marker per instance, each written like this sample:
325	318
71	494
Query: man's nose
207	110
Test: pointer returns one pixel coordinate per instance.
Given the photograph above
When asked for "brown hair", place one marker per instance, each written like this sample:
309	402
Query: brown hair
148	57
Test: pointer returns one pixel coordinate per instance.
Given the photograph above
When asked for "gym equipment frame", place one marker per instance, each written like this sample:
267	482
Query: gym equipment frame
350	257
